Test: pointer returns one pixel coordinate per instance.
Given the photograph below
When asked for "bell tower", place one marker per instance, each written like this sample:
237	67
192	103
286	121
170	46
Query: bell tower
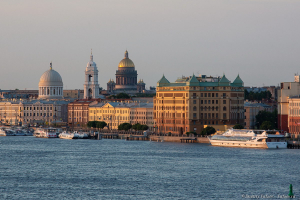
91	86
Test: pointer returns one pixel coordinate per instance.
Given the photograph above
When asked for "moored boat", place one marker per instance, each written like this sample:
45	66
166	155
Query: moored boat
66	135
46	133
249	139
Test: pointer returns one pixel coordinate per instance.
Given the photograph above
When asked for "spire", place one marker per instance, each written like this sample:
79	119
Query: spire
51	65
126	54
91	57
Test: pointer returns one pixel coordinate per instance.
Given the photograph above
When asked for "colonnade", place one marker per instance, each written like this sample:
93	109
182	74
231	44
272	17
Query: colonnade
53	91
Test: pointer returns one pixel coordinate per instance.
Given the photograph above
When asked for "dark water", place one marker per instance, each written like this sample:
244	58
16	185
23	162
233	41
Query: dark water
36	168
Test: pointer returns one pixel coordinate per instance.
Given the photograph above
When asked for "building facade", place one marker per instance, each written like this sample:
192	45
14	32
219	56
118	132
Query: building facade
251	110
116	113
24	112
193	102
294	115
287	90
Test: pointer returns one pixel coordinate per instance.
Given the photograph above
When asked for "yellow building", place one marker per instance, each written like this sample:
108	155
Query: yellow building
192	102
116	113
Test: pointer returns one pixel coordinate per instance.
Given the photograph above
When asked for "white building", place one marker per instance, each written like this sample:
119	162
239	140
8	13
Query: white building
51	85
91	86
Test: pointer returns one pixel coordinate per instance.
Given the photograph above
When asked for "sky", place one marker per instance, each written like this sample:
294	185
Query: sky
257	39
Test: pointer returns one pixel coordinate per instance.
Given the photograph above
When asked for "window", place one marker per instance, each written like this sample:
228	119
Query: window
205	101
217	95
208	101
194	101
205	94
213	94
224	108
224	115
212	101
201	101
224	101
194	108
201	94
217	101
209	94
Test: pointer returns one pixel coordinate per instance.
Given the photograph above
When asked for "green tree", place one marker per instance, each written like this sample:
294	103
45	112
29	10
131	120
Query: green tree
101	124
238	126
144	127
92	124
136	126
124	126
208	130
122	96
266	116
266	125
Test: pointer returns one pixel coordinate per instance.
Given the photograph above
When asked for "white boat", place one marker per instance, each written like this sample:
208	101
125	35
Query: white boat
46	133
81	135
249	139
66	135
6	132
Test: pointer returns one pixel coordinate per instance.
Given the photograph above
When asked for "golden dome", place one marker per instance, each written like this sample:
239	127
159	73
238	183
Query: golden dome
126	62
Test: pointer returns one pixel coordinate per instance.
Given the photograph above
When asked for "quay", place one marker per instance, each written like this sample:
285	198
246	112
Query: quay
293	145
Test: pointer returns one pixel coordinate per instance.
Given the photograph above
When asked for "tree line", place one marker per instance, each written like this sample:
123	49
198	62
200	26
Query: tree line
252	96
123	126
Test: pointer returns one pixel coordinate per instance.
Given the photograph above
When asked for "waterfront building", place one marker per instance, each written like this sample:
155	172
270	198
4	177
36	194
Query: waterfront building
251	110
78	112
91	86
294	115
116	113
21	112
192	102
287	90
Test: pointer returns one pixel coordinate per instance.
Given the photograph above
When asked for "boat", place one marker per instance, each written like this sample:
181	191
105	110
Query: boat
66	135
6	132
46	133
19	132
81	135
249	139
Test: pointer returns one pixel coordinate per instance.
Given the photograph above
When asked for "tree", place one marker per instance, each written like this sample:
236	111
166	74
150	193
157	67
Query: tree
263	116
122	96
266	125
101	124
139	126
238	126
208	130
124	126
92	124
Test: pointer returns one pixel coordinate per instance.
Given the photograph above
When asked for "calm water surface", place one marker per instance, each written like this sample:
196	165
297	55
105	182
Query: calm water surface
36	168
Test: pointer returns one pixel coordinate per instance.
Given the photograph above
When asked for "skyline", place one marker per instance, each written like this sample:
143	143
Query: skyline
256	39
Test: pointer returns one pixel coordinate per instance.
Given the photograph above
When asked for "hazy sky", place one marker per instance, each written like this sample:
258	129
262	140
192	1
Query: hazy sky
259	39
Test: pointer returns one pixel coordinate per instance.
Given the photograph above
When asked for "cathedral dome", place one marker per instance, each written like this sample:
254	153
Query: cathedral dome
126	62
51	78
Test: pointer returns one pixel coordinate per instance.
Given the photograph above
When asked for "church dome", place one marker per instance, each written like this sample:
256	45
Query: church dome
126	62
51	78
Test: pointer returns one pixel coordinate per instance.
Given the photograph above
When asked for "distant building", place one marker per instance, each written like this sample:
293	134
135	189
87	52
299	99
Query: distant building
19	94
73	94
126	79
251	110
287	90
91	86
193	102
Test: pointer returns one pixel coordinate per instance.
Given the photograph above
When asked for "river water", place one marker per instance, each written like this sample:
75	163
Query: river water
36	168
